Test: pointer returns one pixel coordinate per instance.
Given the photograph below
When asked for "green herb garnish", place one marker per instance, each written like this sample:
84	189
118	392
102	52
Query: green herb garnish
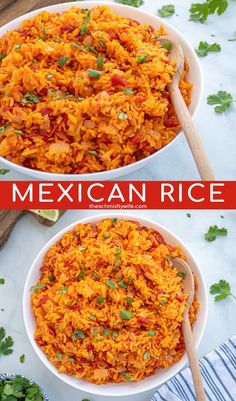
82	273
128	92
100	62
214	232
142	59
151	333
2	56
38	287
122	116
115	334
22	358
125	314
30	98
21	389
63	290
110	283
127	376
129	301
17	46
51	278
95	74
2	281
121	284
91	317
19	131
4	171
167	46
106	333
146	355
100	300
43	35
188	215
78	334
222	99
2	129
222	289
93	152
166	11
114	221
6	343
133	3
101	42
201	11
204	48
50	76
76	45
181	274
163	302
62	61
106	235
59	356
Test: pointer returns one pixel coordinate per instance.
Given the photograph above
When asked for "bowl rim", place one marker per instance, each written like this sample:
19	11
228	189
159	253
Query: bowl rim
27	304
103	175
12	376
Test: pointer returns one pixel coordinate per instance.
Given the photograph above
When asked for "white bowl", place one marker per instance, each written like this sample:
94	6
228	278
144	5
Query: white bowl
195	76
121	388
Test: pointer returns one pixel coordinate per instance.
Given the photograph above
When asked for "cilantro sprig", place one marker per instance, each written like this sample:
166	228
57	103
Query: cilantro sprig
222	101
204	48
214	231
20	389
133	3
222	289
166	11
6	343
201	11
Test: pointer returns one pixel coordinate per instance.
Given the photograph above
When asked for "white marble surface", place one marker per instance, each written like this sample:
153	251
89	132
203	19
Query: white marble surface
217	260
217	131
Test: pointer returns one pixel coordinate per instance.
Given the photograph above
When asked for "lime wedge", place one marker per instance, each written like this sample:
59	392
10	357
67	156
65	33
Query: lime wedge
50	214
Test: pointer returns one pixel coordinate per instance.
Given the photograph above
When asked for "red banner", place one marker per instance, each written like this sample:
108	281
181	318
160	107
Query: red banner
117	195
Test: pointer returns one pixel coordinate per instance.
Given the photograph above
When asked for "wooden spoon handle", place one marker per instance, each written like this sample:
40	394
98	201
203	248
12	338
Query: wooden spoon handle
193	362
191	134
8	219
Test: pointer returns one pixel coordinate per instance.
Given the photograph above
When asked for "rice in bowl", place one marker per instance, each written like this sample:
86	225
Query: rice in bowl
109	304
85	91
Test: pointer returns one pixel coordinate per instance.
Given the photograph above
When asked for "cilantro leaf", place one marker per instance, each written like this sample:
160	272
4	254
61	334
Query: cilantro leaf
166	11
223	99
133	3
214	232
4	171
222	289
204	48
219	6
62	61
201	11
6	343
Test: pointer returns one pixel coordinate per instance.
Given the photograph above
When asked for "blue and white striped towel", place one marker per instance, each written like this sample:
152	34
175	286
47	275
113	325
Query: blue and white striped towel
218	369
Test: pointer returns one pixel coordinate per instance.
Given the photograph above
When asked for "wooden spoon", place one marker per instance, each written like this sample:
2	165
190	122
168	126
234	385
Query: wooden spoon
183	114
182	266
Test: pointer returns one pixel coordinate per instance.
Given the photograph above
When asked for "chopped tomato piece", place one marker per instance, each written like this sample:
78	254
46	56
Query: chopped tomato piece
143	320
139	99
117	80
43	300
171	122
45	110
67	28
136	138
179	298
